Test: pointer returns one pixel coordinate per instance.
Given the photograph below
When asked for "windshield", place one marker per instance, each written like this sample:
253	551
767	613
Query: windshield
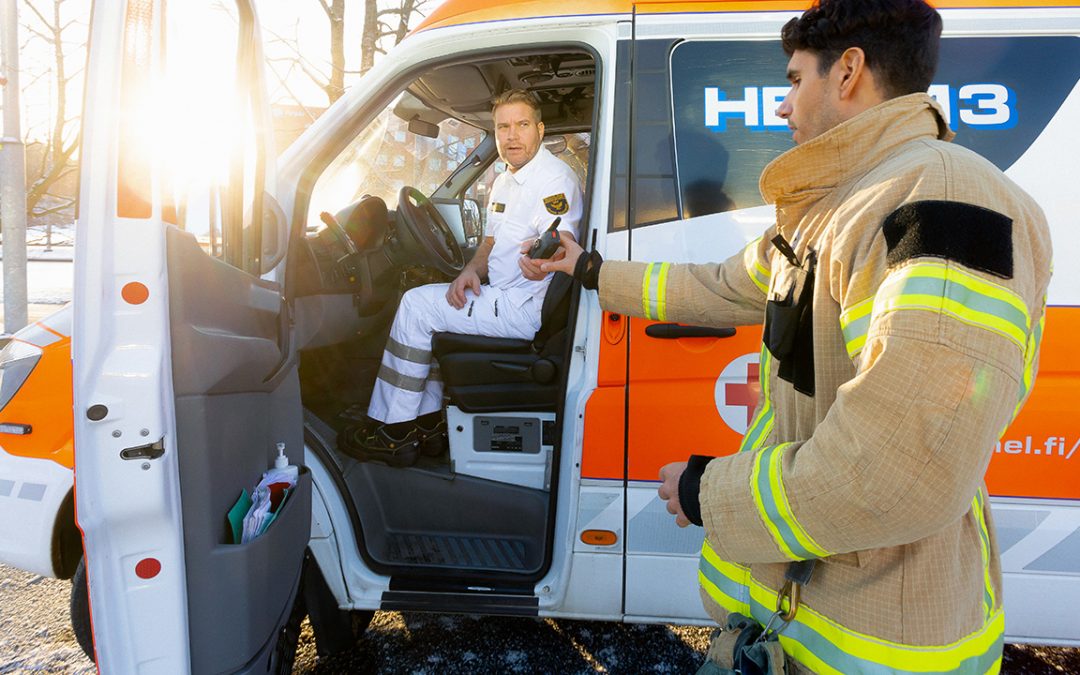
386	156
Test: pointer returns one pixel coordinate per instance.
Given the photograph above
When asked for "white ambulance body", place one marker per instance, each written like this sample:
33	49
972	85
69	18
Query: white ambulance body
216	316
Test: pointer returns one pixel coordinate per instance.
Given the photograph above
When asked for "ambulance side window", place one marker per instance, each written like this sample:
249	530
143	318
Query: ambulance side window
724	99
652	167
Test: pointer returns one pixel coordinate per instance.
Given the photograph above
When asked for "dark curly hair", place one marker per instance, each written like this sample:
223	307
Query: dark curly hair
899	38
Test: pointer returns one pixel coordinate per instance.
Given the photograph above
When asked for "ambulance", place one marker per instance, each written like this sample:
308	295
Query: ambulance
227	305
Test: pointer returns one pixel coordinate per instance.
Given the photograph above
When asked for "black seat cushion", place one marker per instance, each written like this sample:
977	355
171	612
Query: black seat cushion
452	343
486	374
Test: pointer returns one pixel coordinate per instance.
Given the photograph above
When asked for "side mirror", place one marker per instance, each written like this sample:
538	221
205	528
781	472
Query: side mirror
556	145
471	221
421	128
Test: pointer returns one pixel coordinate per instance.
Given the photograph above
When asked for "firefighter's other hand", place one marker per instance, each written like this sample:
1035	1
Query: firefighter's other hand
565	259
455	295
669	491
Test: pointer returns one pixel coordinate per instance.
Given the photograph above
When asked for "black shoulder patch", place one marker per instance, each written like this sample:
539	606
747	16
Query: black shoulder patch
970	235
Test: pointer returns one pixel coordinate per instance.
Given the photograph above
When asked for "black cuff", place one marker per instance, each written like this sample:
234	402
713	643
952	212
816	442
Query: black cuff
587	270
690	487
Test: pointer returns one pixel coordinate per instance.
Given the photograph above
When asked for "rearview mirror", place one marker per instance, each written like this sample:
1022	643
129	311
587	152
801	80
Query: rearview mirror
421	128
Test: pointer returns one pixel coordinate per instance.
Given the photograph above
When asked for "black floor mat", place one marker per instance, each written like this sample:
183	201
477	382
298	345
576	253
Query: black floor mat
487	553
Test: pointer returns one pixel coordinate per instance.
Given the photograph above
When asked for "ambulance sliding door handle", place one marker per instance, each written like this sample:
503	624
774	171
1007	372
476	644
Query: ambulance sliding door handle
673	331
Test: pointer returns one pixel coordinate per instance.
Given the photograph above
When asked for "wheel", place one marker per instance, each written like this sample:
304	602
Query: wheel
336	630
428	228
284	656
80	610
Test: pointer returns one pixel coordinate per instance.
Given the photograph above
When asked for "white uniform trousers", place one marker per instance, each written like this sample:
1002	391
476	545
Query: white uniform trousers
408	384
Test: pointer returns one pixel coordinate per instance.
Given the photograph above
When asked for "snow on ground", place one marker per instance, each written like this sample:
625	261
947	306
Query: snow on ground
49	275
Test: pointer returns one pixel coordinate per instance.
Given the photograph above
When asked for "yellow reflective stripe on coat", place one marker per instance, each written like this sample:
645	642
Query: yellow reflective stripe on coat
653	291
855	323
759	273
762	424
937	287
825	646
1034	339
726	583
984	545
767	485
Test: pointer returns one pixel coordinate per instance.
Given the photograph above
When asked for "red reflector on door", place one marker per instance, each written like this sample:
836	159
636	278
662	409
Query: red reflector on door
147	568
134	293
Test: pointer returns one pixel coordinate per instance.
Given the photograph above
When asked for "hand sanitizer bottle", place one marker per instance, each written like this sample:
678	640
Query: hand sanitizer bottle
283	472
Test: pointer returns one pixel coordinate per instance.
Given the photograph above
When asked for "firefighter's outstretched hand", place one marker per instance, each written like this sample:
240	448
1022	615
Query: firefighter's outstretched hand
669	491
565	259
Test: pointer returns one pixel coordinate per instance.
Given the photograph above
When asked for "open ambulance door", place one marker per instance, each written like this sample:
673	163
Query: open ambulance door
184	376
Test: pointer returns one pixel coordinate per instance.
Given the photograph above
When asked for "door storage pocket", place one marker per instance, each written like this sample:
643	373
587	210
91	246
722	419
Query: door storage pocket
238	593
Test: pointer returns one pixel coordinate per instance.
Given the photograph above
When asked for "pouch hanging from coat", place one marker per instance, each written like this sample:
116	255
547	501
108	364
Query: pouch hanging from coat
789	321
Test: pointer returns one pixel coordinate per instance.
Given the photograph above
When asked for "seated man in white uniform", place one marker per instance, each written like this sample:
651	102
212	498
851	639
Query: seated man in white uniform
406	405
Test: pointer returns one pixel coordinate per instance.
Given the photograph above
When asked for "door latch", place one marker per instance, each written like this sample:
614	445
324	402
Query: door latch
150	451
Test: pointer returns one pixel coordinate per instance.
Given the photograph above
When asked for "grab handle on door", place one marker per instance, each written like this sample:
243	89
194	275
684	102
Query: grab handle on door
672	331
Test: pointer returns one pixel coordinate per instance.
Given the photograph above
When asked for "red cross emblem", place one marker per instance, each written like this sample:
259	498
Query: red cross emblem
745	394
737	390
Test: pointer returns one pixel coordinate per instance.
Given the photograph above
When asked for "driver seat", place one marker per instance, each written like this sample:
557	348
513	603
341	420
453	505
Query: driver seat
486	374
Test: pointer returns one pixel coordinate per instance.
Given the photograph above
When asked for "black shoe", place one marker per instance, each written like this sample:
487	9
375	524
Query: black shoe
375	443
433	439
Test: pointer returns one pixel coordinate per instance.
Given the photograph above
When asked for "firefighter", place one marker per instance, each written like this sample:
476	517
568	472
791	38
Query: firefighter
902	291
405	413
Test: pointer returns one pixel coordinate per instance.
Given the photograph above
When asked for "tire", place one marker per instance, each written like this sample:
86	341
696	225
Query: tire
336	630
284	656
80	610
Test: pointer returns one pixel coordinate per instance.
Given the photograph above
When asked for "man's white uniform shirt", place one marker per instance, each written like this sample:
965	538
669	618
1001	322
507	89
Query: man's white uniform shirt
522	205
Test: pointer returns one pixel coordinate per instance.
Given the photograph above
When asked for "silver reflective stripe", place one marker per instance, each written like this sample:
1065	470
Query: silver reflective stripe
434	375
32	492
1063	557
406	352
396	379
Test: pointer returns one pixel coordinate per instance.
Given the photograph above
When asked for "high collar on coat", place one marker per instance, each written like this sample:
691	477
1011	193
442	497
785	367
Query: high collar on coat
795	180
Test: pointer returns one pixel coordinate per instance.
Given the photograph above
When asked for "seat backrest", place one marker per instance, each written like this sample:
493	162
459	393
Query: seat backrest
555	312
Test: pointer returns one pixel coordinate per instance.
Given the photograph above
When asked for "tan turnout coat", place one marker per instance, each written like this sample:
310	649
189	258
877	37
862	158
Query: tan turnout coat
919	365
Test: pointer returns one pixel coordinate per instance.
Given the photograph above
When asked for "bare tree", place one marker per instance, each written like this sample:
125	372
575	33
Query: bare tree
335	14
387	22
62	138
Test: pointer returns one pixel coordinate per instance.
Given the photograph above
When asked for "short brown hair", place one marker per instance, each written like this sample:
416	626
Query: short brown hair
899	38
517	96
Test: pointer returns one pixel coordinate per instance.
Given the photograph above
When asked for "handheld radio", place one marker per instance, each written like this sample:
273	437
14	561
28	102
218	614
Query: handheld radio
547	243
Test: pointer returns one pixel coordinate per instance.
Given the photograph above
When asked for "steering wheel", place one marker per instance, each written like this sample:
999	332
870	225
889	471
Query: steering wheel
429	229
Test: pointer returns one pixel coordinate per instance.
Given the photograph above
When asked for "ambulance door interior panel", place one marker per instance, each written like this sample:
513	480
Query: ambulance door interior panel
482	510
237	396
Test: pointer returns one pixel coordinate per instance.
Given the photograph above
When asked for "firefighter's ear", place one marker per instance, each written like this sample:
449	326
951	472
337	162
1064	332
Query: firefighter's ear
856	87
850	72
